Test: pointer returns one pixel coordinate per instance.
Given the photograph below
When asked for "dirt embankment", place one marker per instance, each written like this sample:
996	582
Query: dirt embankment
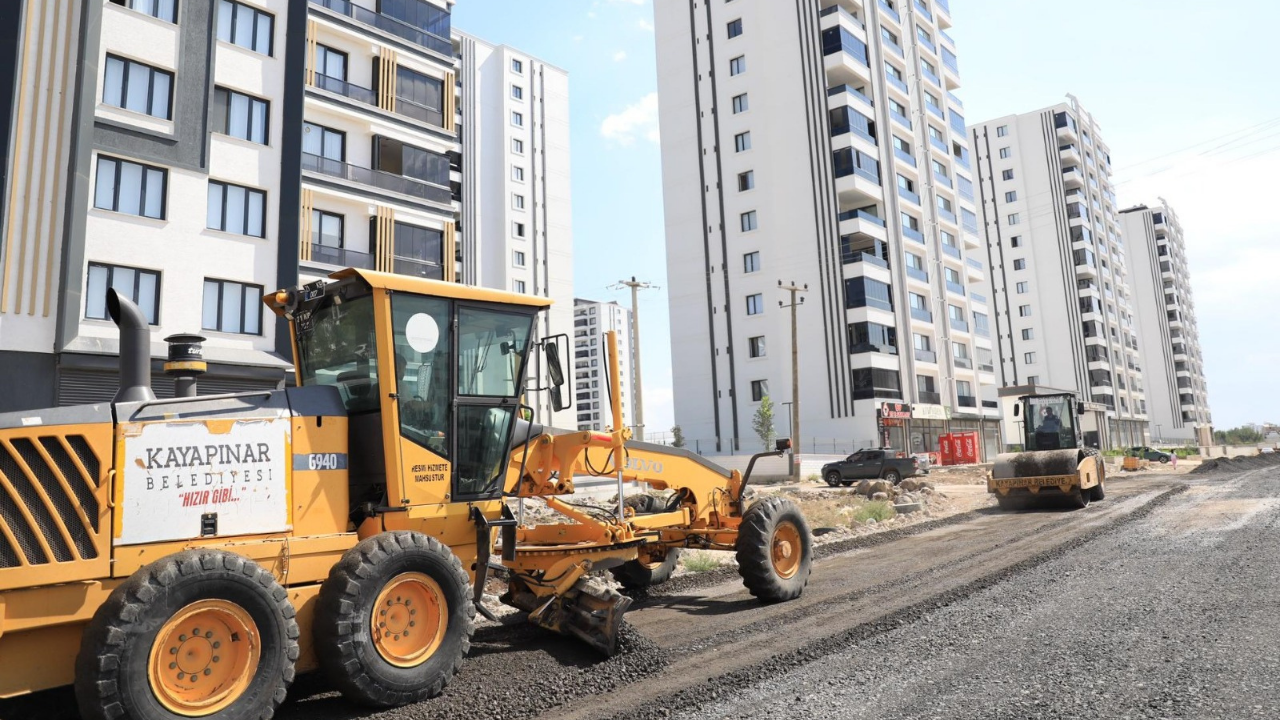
1237	464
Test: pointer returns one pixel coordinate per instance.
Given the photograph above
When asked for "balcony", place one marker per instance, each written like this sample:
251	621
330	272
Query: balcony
909	195
944	19
346	89
978	300
842	14
962	362
417	267
922	315
1066	126
912	234
967	401
901	119
862	223
1069	153
939	144
341	257
377	178
931	77
848	257
1072	177
927	44
951	250
904	157
388	24
916	273
857	177
969	221
937	111
955	100
845	58
947	215
974	264
890	12
850	94
929	397
924	10
945	182
894	81
990	404
958	324
958	289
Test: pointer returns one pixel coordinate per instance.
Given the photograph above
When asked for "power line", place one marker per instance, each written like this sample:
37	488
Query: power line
1259	126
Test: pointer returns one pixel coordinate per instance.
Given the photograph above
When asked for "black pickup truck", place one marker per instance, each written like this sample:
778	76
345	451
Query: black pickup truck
870	465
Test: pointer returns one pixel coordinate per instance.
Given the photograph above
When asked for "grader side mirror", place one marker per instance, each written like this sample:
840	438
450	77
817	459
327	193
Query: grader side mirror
782	444
1079	409
557	399
1017	410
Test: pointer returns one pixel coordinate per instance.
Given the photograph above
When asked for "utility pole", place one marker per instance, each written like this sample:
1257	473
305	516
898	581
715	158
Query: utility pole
795	375
638	401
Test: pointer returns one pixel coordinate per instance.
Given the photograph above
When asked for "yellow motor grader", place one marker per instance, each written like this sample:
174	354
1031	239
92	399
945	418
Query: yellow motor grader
1054	463
186	557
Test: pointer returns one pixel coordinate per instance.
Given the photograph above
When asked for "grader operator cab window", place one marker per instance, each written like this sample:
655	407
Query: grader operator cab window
421	326
492	346
1050	423
337	346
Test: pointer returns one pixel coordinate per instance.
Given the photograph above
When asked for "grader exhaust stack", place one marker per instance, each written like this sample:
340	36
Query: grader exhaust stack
135	349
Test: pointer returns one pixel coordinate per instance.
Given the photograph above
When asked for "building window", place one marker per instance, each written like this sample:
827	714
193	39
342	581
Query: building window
160	9
240	115
1013	219
517	119
323	144
232	307
1028	334
244	26
137	87
1022	287
517	173
1033	379
735	28
748	220
130	188
140	286
1011	196
1015	241
517	201
755	346
517	66
327	230
740	103
1024	311
1006	174
1019	264
236	209
1029	358
517	258
1006	153
759	390
738	65
746	180
517	146
742	141
1002	131
517	92
755	304
751	262
517	229
331	63
517	286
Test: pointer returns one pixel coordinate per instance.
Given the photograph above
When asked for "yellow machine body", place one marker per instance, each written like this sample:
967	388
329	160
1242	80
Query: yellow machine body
292	479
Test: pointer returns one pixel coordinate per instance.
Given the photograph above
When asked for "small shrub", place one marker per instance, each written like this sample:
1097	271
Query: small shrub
878	510
700	562
813	477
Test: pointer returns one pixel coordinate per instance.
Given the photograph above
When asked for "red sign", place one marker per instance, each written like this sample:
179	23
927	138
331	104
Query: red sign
895	411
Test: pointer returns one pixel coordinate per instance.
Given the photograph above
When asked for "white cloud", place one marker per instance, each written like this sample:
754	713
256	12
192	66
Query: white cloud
626	2
637	120
591	14
620	56
644	25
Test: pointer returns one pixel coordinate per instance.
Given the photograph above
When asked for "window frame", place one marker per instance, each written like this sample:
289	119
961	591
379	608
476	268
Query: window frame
737	65
325	51
751	262
258	15
125	73
139	272
244	306
750	181
742	141
226	119
740	103
734	28
249	192
759	390
755	300
748	221
142	193
172	5
757	346
319	214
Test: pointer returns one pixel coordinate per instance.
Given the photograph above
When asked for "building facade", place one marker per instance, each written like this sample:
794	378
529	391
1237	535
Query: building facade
821	143
1052	231
194	155
1177	394
591	400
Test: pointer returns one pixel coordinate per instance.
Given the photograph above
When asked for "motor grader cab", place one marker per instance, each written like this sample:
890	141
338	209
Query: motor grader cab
1054	461
187	557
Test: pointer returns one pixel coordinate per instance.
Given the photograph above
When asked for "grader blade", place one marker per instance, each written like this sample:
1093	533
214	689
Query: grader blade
590	612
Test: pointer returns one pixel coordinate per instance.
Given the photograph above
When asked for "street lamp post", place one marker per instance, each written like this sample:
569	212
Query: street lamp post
795	375
638	401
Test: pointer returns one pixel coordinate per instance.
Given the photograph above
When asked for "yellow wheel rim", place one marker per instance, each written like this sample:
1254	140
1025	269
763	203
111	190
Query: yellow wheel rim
652	559
409	620
204	658
786	550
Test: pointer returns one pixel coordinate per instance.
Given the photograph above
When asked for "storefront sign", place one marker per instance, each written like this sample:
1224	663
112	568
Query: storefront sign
895	411
931	412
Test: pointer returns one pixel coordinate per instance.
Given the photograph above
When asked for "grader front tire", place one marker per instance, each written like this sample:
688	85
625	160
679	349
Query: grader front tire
200	633
647	570
774	550
394	620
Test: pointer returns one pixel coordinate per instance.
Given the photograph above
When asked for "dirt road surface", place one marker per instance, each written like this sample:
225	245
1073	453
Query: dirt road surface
1161	601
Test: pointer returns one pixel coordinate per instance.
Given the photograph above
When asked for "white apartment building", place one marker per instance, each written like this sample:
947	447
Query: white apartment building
591	401
820	143
1177	394
1052	231
221	149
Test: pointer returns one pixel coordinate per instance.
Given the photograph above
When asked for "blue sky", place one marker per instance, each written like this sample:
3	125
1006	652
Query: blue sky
1185	93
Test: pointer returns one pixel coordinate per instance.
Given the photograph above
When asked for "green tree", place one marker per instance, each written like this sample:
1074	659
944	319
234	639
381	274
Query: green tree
762	423
677	437
1238	436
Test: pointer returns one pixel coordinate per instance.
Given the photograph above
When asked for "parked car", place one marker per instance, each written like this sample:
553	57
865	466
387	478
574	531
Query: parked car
1147	453
870	464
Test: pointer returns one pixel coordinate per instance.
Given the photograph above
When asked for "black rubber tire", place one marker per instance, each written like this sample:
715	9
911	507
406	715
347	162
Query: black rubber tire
1078	499
891	475
834	479
1011	502
343	636
1100	490
755	545
112	679
633	575
1164	459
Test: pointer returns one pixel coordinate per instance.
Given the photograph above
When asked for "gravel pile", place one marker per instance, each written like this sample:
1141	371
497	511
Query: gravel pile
1237	464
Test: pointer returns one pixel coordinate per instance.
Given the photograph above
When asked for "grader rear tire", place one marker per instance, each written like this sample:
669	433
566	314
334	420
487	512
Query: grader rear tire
196	634
648	570
394	620
774	550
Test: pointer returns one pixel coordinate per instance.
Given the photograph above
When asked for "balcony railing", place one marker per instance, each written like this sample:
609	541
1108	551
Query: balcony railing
890	11
924	10
843	13
951	250
947	215
856	256
945	182
968	401
991	404
979	299
938	143
937	111
927	43
957	101
958	324
904	156
860	215
931	77
417	268
962	362
852	91
948	57
969	221
973	263
344	88
388	24
956	288
908	195
340	256
422	113
900	84
929	397
912	234
917	273
377	178
921	314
